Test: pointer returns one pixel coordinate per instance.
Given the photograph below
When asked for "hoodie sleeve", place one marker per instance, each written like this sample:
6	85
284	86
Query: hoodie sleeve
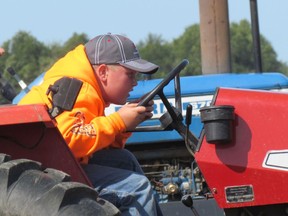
86	129
84	138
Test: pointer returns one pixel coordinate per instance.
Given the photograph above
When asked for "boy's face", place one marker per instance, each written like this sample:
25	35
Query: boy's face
120	81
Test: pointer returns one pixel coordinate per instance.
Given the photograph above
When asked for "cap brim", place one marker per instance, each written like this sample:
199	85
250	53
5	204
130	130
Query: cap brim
141	65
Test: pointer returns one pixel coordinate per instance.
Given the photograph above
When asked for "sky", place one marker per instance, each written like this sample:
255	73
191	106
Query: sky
56	20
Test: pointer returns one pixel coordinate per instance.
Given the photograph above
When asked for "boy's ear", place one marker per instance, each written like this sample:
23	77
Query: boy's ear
102	72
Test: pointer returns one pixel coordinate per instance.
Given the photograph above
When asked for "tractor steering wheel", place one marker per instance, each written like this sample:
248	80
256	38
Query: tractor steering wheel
175	119
158	90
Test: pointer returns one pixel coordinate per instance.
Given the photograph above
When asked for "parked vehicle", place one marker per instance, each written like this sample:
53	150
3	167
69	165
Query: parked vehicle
231	164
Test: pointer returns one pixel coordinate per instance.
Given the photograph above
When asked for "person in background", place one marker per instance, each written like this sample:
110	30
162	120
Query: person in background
107	65
2	51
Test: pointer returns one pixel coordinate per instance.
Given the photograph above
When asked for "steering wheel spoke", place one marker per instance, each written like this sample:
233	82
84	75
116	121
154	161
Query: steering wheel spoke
159	88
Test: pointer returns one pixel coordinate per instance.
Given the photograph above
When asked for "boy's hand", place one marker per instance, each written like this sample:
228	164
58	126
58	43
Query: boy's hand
133	115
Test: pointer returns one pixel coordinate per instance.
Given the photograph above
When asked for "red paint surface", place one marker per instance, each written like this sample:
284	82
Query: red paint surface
28	132
261	125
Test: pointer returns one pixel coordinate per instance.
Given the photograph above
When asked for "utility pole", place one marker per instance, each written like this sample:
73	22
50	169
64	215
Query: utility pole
215	36
256	35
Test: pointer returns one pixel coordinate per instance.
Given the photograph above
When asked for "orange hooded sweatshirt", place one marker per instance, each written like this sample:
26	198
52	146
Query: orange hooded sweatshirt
86	129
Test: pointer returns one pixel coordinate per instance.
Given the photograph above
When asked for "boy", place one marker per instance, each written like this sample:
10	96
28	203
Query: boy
107	65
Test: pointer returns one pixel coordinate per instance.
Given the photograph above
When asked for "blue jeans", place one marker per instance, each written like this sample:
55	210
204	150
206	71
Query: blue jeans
118	178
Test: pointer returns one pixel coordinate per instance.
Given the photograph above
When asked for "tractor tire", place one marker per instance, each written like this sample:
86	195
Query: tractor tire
27	189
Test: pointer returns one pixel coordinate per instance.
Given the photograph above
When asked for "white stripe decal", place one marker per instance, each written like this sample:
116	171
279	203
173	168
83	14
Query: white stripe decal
159	108
276	159
121	48
97	49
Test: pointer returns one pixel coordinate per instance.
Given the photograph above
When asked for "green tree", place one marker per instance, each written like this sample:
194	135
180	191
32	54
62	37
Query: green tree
57	50
242	50
30	57
25	54
72	42
187	46
169	54
157	50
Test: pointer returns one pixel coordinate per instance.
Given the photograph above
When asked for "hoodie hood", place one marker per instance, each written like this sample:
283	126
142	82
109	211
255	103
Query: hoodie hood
74	64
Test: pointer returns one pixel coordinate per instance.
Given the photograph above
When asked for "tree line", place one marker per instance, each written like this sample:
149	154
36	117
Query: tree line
30	57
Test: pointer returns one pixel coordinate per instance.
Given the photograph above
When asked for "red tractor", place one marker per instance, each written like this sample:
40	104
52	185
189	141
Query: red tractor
239	161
